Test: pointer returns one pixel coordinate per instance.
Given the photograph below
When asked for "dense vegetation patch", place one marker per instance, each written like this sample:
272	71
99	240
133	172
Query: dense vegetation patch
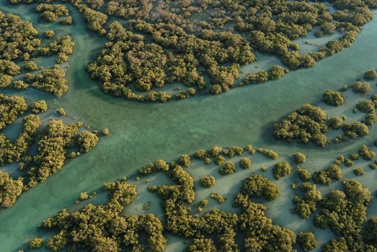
370	75
311	124
40	149
326	176
306	205
51	13
19	41
115	229
345	213
258	186
282	169
333	98
189	41
307	241
215	35
215	230
208	181
308	123
11	107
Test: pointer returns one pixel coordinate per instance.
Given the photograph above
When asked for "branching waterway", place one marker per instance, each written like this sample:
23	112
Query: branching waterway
141	133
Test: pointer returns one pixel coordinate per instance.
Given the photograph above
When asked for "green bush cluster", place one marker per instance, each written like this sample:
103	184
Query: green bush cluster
49	34
35	243
20	85
106	132
333	98
83	196
220	160
203	155
218	197
62	47
373	165
306	205
355	156
228	168
201	244
220	42
19	41
109	228
249	148
52	146
335	122
202	204
10	190
362	87
11	107
95	19
39	107
268	153
273	73
161	66
184	160
370	75
307	241
308	123
245	163
366	153
31	65
281	169
257	186
345	213
50	12
15	151
348	162
186	225
355	129
370	119
304	174
207	181
366	106
359	171
259	230
299	157
325	176
87	141
183	41
370	232
159	165
61	112
218	154
39	152
51	80
177	198
26	43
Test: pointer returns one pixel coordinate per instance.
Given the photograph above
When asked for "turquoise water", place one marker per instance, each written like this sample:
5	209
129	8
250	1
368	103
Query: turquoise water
141	133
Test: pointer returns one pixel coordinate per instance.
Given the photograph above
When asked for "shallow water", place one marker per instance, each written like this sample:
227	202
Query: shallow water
141	133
